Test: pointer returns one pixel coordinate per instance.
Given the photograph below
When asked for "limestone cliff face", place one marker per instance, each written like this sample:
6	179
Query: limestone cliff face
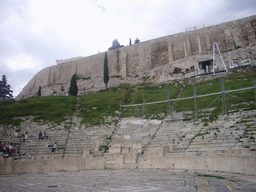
181	52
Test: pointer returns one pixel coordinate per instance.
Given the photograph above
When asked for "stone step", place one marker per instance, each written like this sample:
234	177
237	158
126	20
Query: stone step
39	150
216	141
191	153
196	148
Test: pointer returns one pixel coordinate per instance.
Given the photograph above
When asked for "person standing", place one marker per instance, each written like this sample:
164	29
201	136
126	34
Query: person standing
25	137
10	148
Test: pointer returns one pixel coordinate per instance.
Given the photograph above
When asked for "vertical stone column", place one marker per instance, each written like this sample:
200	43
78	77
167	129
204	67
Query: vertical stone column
250	34
170	52
123	63
208	42
117	62
126	64
149	55
49	76
185	48
229	39
188	46
199	45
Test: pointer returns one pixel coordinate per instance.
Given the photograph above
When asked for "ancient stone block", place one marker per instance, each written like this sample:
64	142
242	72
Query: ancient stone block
115	149
181	50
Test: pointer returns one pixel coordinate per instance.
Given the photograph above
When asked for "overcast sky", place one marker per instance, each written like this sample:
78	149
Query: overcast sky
34	33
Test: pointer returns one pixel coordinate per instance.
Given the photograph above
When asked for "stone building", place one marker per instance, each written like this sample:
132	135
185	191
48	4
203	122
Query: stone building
175	56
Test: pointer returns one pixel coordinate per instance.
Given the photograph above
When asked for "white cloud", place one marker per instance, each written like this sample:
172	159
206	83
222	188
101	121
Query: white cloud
22	61
35	33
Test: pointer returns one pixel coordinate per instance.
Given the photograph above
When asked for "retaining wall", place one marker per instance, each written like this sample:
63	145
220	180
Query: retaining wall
236	161
135	59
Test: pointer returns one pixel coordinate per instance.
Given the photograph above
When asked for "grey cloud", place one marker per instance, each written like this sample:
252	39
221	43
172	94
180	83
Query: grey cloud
44	46
149	20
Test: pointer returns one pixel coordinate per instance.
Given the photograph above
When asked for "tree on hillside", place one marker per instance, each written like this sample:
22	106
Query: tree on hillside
115	45
39	90
73	89
5	89
130	41
106	77
136	40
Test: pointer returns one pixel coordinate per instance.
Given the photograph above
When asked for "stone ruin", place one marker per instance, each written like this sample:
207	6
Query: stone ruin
183	55
227	144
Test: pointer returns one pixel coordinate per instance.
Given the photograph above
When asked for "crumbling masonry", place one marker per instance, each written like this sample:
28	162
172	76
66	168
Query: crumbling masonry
180	55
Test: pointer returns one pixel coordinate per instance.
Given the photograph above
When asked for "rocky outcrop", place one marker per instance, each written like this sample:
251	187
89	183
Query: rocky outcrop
176	56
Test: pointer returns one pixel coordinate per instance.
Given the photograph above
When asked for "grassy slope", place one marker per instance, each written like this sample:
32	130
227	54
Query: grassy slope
235	80
45	108
93	107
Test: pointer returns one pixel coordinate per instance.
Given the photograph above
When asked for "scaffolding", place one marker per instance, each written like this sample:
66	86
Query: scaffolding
195	97
216	51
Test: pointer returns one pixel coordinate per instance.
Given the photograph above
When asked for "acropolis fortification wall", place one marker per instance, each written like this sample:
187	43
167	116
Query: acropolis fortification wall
183	50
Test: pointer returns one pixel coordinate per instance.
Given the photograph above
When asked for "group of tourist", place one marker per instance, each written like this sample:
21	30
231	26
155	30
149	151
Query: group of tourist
42	136
7	149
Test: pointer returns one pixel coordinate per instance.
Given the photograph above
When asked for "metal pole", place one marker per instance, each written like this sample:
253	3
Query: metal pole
194	90
164	101
254	85
221	57
169	103
143	110
137	111
224	105
213	58
121	110
184	98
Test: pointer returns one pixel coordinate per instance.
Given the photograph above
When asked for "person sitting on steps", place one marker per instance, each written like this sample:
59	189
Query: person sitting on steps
54	147
45	136
40	136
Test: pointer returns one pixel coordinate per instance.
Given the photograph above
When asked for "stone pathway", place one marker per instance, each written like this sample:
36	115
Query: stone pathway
129	180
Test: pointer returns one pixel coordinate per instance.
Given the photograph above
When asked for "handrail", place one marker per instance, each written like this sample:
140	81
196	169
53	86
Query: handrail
149	103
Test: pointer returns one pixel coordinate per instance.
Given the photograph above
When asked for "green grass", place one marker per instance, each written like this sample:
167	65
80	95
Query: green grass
94	107
44	108
151	94
214	176
235	80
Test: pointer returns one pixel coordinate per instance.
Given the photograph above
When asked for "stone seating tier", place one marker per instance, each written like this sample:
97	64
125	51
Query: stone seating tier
183	138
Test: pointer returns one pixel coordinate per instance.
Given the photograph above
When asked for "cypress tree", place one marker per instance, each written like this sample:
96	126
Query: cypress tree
106	77
130	41
73	90
39	90
5	89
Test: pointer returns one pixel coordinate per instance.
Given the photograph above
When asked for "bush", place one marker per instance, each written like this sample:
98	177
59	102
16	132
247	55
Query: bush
7	102
73	89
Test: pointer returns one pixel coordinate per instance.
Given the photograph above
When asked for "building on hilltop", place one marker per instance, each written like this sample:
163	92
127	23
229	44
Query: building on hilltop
181	55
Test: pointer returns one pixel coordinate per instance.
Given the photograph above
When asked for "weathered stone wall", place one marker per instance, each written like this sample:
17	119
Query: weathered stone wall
136	59
232	163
